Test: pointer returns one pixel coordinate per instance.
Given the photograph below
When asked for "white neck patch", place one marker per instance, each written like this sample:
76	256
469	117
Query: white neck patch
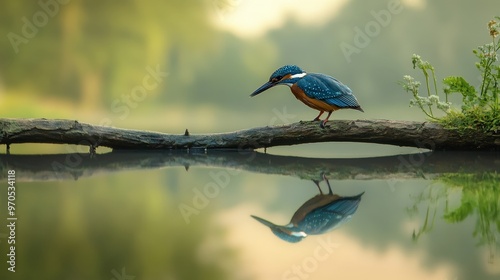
300	234
298	75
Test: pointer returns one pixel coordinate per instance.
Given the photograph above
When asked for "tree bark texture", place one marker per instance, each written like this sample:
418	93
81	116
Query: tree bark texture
401	133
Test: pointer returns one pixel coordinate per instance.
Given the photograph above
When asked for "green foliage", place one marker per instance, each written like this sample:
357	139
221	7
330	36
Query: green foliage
95	51
455	84
470	120
488	56
480	108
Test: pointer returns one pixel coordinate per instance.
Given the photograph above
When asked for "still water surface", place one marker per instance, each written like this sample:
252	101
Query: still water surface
131	215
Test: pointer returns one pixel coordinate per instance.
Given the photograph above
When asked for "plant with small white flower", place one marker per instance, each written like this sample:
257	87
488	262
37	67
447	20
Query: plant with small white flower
480	107
410	85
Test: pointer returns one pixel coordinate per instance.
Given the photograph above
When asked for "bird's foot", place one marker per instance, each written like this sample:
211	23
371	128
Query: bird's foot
323	125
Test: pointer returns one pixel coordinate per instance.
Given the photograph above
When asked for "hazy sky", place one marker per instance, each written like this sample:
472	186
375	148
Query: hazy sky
249	19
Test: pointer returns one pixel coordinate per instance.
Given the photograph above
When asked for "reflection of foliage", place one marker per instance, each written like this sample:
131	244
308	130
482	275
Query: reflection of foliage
432	195
480	194
90	228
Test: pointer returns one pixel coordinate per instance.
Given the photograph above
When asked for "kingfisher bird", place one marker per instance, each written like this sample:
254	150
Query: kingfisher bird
318	91
318	215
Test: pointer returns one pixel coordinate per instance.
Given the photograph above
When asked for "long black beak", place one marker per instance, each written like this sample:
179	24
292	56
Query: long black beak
265	222
264	87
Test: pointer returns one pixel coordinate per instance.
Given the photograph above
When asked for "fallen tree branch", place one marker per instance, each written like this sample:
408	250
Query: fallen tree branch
401	133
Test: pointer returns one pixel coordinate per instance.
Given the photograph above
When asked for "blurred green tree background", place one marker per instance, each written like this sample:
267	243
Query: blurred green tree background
86	59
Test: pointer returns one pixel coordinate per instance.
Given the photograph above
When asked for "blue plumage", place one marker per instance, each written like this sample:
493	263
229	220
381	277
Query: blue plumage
328	89
330	216
318	91
320	214
287	69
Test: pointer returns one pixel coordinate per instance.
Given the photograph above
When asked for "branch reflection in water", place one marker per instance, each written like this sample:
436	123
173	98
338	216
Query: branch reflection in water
473	175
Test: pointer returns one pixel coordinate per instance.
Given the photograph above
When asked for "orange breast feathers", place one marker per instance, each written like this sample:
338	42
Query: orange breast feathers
313	103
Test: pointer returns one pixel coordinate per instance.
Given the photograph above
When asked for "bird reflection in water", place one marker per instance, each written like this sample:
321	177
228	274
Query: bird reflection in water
318	215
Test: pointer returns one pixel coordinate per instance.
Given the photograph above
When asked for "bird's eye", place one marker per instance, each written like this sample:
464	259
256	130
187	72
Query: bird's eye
276	79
